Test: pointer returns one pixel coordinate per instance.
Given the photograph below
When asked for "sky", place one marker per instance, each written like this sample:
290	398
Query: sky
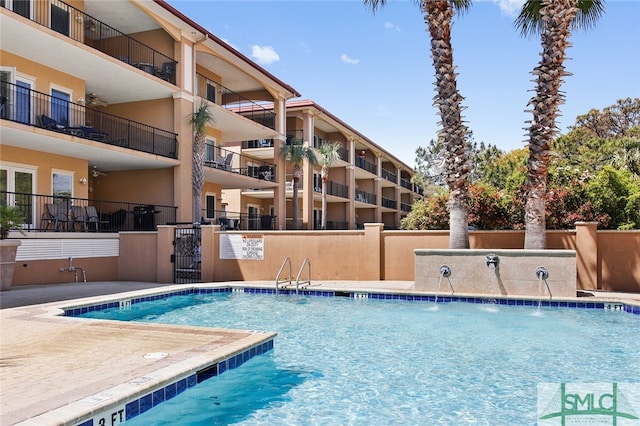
374	70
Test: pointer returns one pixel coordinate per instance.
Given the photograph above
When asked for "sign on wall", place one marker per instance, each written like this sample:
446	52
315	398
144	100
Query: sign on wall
242	247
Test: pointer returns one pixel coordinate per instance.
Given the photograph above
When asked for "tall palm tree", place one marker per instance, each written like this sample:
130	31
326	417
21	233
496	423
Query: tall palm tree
554	20
438	14
627	157
199	120
296	153
329	154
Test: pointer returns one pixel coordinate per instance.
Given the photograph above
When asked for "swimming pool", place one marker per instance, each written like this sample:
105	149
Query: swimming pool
362	361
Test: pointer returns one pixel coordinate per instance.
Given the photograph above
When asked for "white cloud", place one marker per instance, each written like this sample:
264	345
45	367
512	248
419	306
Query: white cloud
391	26
347	60
509	7
304	46
264	55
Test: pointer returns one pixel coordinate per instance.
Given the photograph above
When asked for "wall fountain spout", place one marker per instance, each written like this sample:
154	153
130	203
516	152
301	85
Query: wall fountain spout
492	261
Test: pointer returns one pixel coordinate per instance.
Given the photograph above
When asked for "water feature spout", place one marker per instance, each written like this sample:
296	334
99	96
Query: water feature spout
542	273
492	260
445	271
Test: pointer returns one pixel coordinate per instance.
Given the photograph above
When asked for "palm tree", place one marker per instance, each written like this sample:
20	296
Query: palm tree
627	157
329	154
295	152
199	120
438	14
554	20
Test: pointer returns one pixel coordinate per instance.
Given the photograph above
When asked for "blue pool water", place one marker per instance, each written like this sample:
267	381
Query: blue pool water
362	361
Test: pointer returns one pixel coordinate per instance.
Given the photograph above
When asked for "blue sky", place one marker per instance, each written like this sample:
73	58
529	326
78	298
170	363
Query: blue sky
374	71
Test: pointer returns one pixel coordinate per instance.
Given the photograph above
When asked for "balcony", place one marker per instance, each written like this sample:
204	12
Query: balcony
406	183
405	207
37	109
365	197
81	27
228	99
240	164
391	177
69	214
367	165
388	203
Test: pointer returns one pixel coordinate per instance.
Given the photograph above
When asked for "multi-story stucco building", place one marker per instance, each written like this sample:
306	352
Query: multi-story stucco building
96	98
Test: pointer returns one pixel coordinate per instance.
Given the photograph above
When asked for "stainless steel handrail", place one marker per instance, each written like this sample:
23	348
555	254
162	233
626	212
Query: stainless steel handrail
308	280
278	280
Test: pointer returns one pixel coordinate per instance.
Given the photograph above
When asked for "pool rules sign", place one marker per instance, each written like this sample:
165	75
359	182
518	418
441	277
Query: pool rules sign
242	247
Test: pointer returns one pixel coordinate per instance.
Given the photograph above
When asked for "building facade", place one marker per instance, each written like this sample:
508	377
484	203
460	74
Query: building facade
95	132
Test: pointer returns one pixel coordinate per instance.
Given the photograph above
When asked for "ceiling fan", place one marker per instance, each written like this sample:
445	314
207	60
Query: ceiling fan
94	100
95	172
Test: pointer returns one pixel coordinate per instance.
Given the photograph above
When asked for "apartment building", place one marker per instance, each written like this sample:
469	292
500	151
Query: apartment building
366	184
95	133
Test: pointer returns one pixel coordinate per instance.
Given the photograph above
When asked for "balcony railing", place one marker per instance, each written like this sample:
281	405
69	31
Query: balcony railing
257	143
77	25
388	203
391	177
59	115
405	207
405	183
71	214
367	165
234	221
227	98
365	197
230	161
332	225
333	188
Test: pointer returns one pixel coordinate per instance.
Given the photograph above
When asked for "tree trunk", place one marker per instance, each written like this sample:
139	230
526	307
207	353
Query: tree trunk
557	17
324	197
438	16
197	175
458	225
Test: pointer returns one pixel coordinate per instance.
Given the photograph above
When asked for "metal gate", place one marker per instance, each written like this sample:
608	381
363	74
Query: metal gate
187	255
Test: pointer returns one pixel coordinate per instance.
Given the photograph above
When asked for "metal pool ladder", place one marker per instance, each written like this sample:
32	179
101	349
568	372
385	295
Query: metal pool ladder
288	280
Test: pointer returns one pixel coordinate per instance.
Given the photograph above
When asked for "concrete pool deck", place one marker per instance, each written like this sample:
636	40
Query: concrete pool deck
55	369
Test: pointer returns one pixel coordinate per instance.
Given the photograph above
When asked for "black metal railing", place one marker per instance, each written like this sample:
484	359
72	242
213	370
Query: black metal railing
227	98
388	203
337	189
37	109
365	197
344	155
257	143
231	161
405	207
77	25
332	225
71	214
237	221
367	165
418	190
391	177
406	183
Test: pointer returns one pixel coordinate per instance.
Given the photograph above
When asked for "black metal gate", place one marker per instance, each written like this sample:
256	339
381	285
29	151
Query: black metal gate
187	255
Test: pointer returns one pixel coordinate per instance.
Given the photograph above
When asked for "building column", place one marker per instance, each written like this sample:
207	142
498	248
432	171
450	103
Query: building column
351	181
279	192
308	125
182	176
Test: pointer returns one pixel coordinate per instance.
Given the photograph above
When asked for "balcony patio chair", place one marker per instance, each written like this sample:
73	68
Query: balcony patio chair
226	165
50	124
56	215
94	221
78	215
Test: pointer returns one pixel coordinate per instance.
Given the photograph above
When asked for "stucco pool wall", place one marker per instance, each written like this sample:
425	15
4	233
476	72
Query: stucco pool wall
514	274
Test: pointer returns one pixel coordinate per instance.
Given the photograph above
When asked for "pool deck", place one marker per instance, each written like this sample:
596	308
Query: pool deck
55	370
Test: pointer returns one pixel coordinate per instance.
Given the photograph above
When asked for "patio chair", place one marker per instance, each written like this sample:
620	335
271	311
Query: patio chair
78	215
93	219
56	215
227	162
51	124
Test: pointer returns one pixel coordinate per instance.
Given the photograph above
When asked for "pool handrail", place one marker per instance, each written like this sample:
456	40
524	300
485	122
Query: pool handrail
278	280
306	261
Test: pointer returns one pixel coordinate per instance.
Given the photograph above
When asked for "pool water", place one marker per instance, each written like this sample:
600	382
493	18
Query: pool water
361	361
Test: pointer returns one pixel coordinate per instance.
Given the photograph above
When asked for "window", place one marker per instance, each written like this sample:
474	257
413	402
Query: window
210	151
60	17
210	206
60	106
253	219
19	182
211	91
62	184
